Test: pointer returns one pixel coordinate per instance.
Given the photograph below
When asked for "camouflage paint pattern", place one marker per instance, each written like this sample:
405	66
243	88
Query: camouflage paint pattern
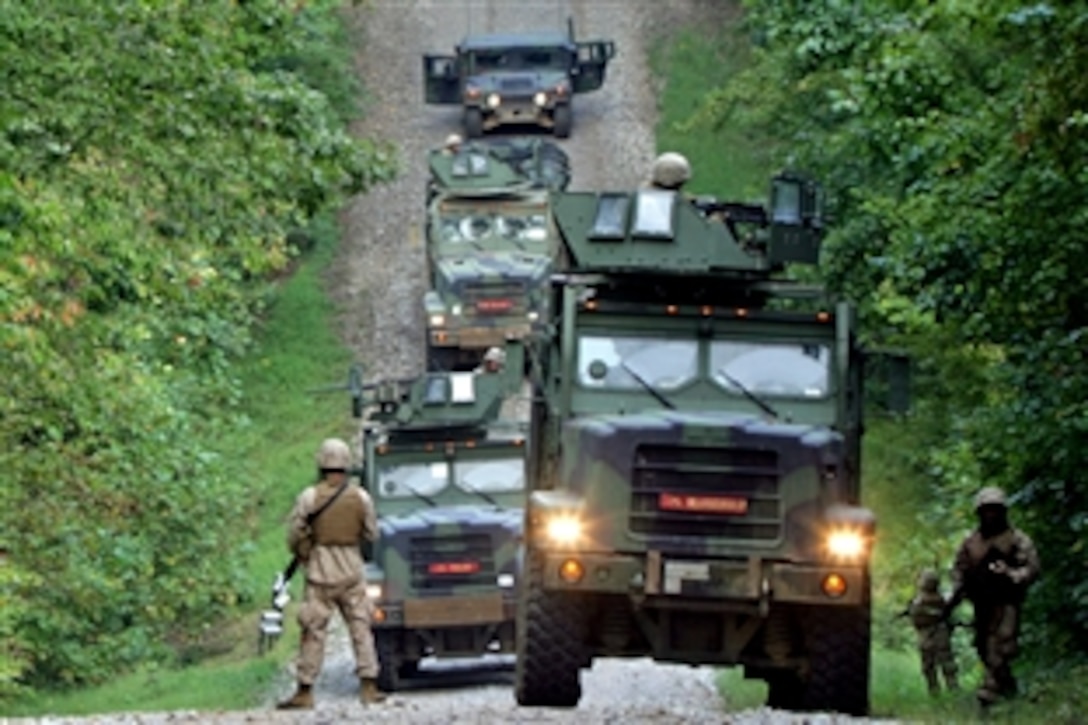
706	508
491	242
447	559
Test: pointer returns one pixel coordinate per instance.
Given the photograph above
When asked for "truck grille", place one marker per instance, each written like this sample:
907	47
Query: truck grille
497	298
709	474
517	85
452	561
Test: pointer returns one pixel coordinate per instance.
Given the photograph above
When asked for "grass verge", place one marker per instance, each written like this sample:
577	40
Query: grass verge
296	354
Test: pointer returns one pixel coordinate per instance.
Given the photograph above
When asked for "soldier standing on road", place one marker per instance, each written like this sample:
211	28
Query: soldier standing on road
926	612
994	567
330	548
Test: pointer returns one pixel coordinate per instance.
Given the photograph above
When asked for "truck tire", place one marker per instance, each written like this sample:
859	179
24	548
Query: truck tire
387	644
474	123
839	642
550	649
564	119
784	691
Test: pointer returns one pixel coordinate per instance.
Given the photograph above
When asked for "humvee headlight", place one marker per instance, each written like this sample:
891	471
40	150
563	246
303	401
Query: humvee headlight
505	581
846	544
564	530
533	315
374	591
494	100
438	320
540	99
455	310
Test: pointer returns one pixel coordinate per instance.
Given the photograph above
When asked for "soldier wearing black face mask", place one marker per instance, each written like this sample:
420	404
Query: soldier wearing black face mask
994	567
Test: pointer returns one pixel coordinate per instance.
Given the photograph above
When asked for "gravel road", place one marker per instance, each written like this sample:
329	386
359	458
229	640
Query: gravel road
378	281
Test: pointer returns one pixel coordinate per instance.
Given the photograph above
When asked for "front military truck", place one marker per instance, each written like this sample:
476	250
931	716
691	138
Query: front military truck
517	78
694	454
491	245
448	483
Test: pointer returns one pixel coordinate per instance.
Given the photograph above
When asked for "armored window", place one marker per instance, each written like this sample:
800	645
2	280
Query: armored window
630	363
787	202
611	219
463	388
772	368
506	474
654	214
436	390
470	164
412	479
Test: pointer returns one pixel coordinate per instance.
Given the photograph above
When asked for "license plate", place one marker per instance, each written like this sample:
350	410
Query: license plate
693	503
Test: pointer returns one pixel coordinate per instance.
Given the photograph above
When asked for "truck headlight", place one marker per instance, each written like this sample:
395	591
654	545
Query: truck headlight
846	544
540	99
455	310
438	320
563	530
374	592
494	100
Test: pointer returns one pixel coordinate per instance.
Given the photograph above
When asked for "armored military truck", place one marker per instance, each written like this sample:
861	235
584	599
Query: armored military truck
491	244
694	453
447	479
517	78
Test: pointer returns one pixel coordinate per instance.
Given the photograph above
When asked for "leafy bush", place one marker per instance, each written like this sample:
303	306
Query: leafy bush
159	158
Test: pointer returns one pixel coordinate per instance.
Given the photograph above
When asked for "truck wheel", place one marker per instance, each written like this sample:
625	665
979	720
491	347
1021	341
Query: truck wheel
564	119
839	661
550	648
474	123
784	691
408	669
387	645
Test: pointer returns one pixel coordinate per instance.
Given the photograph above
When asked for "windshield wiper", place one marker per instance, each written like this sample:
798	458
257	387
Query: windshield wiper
418	494
649	388
481	494
763	404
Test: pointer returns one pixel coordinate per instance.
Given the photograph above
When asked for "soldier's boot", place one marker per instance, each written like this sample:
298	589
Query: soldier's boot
303	699
369	694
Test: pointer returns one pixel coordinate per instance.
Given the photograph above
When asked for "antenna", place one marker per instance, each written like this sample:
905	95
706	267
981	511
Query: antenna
468	7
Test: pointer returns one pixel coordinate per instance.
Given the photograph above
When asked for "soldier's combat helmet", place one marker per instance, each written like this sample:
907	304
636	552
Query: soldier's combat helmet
928	580
990	496
333	455
453	142
670	171
495	355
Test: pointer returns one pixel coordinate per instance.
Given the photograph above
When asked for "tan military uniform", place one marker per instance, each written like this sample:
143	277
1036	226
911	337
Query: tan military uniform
335	577
926	612
997	598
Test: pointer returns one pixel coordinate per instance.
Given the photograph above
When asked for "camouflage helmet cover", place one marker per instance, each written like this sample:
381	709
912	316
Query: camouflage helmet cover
670	170
928	580
990	496
495	355
333	455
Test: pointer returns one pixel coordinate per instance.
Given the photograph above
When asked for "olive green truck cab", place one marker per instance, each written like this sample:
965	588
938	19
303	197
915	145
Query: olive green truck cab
491	244
694	453
447	479
517	78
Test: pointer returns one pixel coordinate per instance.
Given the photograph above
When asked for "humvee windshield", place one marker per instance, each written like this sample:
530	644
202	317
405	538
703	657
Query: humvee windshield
515	59
429	479
517	224
788	369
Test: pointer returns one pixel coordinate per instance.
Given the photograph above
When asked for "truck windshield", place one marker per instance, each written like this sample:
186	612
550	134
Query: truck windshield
618	363
511	59
771	369
506	474
412	479
520	226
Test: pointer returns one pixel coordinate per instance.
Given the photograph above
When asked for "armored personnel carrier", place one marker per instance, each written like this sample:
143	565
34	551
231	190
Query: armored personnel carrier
694	453
517	78
448	483
491	244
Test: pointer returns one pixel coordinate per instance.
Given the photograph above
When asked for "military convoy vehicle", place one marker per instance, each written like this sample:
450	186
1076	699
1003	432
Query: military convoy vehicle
694	453
447	479
491	244
517	78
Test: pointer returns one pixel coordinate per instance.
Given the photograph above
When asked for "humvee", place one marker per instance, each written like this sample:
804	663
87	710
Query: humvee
694	453
490	243
447	480
517	78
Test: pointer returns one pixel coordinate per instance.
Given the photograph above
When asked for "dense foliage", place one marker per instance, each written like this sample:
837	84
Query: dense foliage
952	138
161	162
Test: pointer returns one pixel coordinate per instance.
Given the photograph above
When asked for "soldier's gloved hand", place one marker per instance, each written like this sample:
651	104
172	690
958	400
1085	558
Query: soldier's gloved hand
999	567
